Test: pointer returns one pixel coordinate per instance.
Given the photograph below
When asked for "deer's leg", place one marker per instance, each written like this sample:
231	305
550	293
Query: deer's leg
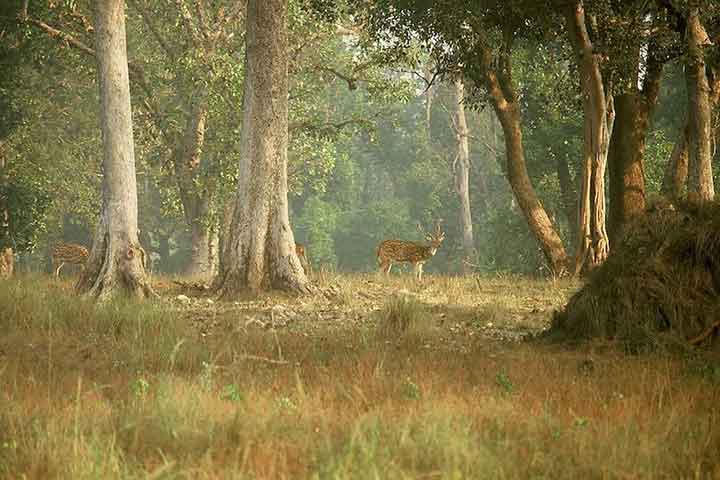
57	271
385	267
420	272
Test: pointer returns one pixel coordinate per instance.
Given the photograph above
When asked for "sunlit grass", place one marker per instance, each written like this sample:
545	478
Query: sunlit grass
134	391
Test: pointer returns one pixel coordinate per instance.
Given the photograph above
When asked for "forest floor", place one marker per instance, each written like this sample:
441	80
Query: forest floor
370	377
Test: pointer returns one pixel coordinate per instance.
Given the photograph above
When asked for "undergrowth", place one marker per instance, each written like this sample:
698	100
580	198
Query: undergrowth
136	391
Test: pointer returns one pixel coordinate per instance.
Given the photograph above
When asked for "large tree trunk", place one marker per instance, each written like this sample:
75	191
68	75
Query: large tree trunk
260	252
117	260
505	102
593	244
626	156
625	165
195	191
700	152
461	170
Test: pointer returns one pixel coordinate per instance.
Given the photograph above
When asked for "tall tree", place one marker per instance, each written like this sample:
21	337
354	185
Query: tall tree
481	36
699	104
636	97
461	171
260	250
117	260
593	246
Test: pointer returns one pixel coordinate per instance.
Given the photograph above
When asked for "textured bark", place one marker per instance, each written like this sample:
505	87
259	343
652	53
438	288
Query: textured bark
676	170
626	156
260	251
593	245
625	166
506	104
700	178
461	171
195	191
117	261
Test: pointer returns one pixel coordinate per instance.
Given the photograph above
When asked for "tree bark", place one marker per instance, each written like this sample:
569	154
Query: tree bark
593	245
195	191
505	102
117	261
7	257
260	252
461	171
676	170
626	156
164	250
700	151
569	196
429	93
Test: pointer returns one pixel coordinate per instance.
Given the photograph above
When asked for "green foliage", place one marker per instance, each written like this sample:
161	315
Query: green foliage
503	381
317	223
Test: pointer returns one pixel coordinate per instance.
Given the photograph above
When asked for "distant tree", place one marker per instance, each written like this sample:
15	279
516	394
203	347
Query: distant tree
260	250
461	171
480	36
117	261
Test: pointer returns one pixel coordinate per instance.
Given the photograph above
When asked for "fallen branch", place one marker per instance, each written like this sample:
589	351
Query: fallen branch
707	333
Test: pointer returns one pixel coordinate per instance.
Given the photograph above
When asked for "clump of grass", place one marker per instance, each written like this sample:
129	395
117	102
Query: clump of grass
402	315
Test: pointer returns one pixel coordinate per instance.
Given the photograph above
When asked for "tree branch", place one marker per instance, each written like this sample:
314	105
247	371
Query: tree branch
170	52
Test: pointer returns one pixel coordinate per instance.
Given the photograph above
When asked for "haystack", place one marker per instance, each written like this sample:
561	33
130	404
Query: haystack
660	285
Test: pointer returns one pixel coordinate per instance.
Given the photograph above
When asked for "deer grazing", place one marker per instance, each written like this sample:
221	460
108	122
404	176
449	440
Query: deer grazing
71	253
398	251
300	251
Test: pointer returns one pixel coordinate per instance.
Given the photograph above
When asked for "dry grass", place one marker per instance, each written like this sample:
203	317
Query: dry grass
306	388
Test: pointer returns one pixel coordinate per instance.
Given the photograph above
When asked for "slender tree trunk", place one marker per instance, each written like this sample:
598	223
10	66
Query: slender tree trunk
700	152
505	102
593	245
569	196
461	170
260	252
429	93
117	259
676	170
164	250
7	257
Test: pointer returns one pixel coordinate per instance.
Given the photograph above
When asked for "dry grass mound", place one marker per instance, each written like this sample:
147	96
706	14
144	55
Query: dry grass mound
660	285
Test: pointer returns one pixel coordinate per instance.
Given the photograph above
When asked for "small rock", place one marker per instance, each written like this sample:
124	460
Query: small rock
182	298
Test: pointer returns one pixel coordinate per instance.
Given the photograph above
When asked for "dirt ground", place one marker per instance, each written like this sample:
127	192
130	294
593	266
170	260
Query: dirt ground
463	308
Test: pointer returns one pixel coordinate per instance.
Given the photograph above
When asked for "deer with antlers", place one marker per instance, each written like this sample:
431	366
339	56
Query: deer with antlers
399	251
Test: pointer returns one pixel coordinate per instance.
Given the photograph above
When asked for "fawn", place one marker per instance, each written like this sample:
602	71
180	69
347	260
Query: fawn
71	253
300	251
417	254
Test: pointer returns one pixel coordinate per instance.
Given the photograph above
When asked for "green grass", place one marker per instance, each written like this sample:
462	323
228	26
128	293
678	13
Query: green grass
156	390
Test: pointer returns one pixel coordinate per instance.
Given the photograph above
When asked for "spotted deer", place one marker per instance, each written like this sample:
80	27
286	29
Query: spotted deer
398	251
71	253
300	251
